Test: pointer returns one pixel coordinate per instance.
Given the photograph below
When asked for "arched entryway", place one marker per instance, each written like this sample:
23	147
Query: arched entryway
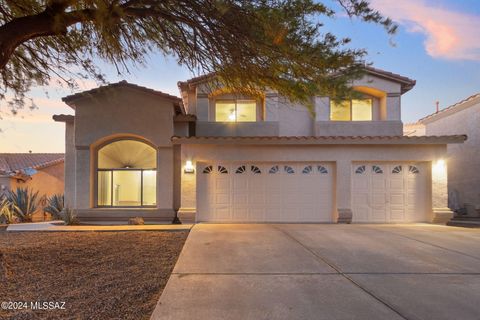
126	174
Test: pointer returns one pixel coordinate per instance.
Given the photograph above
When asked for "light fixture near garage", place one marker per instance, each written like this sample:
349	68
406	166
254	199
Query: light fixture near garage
189	167
439	170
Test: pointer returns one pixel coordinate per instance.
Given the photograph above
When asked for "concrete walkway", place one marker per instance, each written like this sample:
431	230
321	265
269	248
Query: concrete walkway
57	226
303	271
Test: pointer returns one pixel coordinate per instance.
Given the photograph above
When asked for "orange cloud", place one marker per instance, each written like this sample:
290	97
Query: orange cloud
449	34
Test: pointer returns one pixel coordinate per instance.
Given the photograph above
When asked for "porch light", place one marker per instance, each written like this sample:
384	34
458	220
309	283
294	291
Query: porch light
439	170
439	165
231	116
189	167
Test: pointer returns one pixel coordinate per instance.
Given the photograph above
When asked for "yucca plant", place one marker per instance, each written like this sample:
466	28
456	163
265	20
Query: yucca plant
69	217
6	211
25	203
55	205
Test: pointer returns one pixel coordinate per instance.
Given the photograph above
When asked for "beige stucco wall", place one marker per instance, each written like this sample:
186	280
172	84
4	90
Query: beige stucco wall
47	181
463	160
116	114
341	155
414	129
284	118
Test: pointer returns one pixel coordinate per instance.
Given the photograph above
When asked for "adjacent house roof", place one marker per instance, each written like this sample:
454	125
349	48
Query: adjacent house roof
14	164
316	140
461	105
70	100
406	83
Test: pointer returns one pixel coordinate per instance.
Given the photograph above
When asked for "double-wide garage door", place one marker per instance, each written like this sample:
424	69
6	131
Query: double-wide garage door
265	192
304	192
385	192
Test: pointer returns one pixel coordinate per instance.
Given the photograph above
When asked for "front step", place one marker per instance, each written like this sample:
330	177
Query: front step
464	221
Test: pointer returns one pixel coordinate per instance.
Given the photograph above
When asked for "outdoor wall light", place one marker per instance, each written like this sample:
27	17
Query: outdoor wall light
439	165
189	167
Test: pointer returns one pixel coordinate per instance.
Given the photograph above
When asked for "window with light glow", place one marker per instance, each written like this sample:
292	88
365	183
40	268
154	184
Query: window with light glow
126	174
236	111
351	110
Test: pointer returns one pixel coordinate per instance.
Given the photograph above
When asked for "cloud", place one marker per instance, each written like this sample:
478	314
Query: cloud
449	34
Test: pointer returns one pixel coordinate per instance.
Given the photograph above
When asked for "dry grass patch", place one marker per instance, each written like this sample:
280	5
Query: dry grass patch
99	275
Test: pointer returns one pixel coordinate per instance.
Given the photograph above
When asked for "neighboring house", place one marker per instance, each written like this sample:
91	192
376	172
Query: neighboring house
42	172
218	156
463	159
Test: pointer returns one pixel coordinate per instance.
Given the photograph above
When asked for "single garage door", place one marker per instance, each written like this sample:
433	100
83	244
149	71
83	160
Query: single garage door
385	192
264	192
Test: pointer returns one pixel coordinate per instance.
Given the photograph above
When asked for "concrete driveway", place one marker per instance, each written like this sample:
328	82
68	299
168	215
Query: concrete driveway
312	271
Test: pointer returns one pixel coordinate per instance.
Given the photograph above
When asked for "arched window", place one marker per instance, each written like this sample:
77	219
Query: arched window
126	174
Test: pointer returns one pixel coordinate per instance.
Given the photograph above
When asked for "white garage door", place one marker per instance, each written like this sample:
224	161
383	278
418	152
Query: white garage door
389	192
264	192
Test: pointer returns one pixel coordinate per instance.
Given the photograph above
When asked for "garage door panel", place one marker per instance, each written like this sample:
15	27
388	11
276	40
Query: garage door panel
360	183
397	184
397	199
397	214
266	192
389	192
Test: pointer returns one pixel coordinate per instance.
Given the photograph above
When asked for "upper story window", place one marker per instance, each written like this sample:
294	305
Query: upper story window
351	110
235	111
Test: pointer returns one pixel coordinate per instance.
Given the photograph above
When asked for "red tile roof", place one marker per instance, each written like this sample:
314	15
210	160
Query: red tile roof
323	140
122	84
13	162
406	82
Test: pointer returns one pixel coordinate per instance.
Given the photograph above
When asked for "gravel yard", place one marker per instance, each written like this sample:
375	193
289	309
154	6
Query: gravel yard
98	275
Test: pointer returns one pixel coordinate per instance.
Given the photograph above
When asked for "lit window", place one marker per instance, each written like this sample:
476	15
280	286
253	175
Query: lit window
236	111
351	110
126	174
340	111
362	109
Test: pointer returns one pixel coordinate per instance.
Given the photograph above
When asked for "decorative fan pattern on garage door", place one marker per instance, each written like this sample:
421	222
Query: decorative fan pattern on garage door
273	169
360	170
241	169
322	169
397	169
255	169
222	169
413	169
377	169
208	169
307	170
288	169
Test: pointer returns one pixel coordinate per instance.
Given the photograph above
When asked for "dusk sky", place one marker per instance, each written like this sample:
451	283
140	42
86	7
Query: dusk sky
437	44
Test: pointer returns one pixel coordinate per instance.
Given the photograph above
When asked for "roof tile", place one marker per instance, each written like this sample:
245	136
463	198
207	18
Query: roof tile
12	162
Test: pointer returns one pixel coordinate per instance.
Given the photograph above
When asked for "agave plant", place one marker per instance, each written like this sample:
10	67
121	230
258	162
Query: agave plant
55	205
6	211
24	202
69	217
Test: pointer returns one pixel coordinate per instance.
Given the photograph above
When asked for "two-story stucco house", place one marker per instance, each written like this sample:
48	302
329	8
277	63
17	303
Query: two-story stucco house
218	156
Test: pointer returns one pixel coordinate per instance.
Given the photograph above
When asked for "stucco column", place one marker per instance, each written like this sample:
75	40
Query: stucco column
344	191
441	212
187	211
69	166
82	178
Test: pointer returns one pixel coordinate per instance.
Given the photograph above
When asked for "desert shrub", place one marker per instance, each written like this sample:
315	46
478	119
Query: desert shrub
7	214
69	217
24	203
54	206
